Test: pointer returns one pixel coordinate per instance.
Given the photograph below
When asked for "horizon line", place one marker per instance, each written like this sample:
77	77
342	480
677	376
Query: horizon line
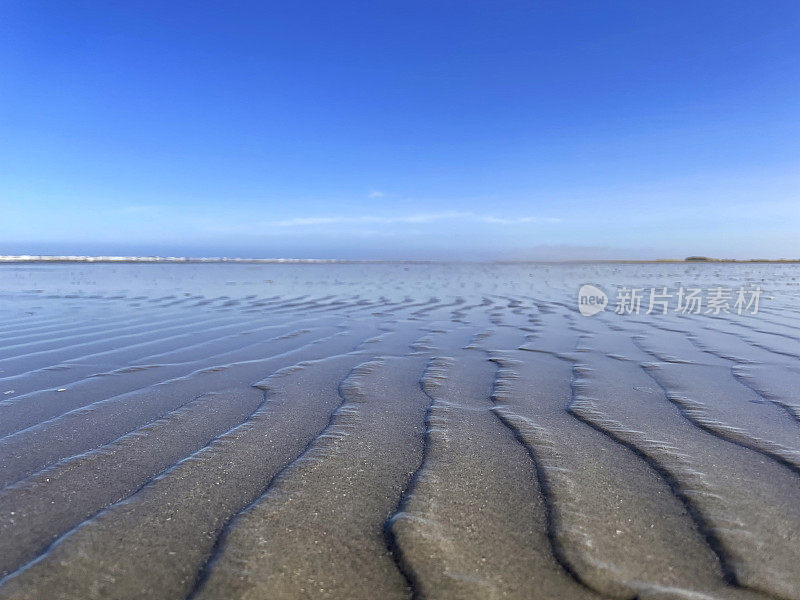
44	258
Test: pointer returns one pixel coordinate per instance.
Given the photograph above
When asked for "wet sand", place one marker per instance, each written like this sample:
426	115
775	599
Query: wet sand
215	431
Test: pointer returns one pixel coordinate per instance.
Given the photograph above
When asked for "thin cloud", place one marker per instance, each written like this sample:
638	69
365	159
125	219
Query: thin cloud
376	194
518	220
287	225
140	209
413	218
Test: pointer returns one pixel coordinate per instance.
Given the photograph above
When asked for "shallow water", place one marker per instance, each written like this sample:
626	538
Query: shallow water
396	430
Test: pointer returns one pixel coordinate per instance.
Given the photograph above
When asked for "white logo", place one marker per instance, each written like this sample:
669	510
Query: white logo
591	300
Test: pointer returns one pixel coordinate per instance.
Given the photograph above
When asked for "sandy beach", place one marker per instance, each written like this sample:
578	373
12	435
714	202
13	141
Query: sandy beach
362	431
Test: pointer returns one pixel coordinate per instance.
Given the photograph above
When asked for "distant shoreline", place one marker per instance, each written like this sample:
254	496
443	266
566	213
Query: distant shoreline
11	259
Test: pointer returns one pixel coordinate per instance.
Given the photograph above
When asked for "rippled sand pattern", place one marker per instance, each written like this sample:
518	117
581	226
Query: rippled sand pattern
394	431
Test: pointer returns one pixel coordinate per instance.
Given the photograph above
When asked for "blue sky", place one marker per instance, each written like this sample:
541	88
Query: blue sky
415	129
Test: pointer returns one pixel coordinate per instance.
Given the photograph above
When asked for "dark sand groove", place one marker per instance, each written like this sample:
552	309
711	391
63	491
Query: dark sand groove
780	325
74	334
779	345
412	304
65	340
108	348
274	301
71	328
607	507
460	313
715	400
49	503
346	484
774	383
439	306
112	320
756	546
24	323
172	523
172	317
290	307
31	449
201	347
53	323
397	430
53	377
770	376
211	343
477	485
21	411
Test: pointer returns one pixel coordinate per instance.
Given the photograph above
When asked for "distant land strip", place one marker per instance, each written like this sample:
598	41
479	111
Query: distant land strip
29	258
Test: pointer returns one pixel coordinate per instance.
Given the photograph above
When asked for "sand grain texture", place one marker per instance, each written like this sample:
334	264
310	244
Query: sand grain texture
393	431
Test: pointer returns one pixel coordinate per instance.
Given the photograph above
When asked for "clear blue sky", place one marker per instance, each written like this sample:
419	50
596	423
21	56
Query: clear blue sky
418	129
